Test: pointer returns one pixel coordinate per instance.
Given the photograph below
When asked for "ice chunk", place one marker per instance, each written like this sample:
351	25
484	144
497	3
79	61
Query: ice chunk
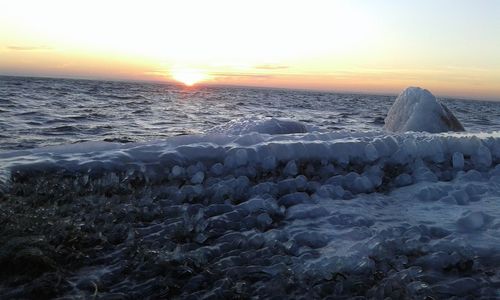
474	190
294	199
264	188
473	221
331	191
495	171
403	180
189	192
335	180
362	184
264	220
416	109
241	157
471	175
230	162
458	161
349	179
375	174
217	209
260	125
291	185
424	174
371	152
177	171
429	193
241	184
461	197
290	169
482	157
327	171
193	169
217	169
269	163
198	177
306	211
258	204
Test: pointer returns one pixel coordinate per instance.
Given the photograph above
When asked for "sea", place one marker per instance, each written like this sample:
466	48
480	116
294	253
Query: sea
37	112
135	190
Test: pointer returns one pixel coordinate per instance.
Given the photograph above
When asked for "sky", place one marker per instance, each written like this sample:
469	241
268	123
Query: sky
451	47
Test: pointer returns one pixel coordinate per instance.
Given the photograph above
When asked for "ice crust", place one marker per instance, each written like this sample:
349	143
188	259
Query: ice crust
318	214
261	125
416	109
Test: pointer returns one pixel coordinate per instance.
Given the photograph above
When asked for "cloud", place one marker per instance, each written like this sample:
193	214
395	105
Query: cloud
240	75
157	72
271	67
28	48
216	75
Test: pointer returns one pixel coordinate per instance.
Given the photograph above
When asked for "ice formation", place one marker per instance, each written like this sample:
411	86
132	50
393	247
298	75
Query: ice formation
313	214
260	125
416	109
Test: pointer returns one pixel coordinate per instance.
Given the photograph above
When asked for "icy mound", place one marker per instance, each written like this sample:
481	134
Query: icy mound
417	109
260	125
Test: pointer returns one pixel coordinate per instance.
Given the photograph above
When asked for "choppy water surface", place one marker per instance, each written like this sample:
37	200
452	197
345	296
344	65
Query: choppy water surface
41	111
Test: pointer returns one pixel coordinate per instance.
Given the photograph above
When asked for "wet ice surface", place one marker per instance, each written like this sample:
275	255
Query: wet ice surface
317	215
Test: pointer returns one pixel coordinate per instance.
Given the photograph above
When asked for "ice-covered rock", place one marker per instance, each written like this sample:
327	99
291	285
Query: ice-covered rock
260	125
269	163
217	169
177	171
294	199
482	157
331	191
362	184
429	193
461	197
258	204
305	211
371	152
290	168
458	161
241	157
416	109
198	177
403	180
291	185
473	221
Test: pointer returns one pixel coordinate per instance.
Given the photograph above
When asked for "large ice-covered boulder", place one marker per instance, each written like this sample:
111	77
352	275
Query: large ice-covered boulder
416	109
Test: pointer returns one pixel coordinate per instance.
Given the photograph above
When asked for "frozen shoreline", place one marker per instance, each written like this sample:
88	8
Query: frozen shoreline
410	214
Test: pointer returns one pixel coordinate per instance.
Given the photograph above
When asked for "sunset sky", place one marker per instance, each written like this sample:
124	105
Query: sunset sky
451	47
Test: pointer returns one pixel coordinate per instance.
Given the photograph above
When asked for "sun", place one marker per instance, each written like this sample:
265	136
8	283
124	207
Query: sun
188	76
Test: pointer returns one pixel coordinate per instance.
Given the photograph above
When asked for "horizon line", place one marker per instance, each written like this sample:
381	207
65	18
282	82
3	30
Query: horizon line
207	84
